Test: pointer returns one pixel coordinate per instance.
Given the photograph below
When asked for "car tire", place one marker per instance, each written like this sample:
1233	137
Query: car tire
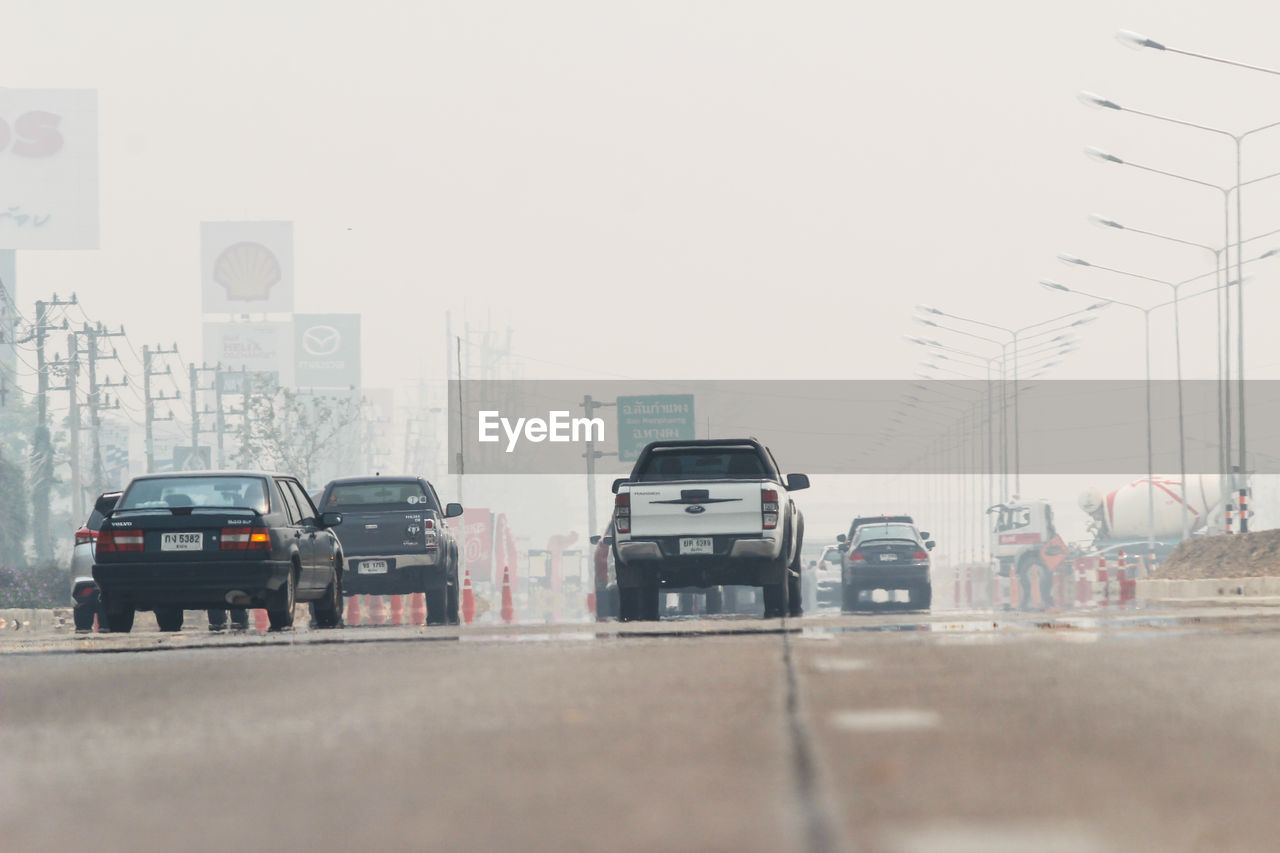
328	610
83	615
795	605
922	597
280	604
169	618
850	595
119	617
775	600
437	603
715	601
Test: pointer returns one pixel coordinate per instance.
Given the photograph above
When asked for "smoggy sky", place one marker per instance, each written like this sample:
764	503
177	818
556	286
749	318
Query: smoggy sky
709	190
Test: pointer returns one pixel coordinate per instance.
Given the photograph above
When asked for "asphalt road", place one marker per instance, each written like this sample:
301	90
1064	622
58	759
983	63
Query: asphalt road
953	731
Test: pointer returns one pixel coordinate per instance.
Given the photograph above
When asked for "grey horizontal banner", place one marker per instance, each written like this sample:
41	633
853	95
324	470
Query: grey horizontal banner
863	426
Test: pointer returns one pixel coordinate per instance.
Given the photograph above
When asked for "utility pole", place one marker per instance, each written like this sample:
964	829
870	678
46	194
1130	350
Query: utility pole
196	430
97	401
73	423
149	353
42	446
592	455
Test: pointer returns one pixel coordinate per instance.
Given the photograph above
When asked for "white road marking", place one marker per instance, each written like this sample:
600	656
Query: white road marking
995	838
886	720
839	664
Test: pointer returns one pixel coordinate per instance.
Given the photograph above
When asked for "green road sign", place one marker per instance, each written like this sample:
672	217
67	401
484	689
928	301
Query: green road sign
656	417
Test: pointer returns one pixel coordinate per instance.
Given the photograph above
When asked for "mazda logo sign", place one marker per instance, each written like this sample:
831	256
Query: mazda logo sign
321	341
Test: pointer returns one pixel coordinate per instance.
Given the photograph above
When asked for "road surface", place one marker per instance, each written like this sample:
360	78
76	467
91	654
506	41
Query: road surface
1150	729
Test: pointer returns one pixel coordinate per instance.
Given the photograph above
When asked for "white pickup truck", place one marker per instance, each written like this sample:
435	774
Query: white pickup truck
704	514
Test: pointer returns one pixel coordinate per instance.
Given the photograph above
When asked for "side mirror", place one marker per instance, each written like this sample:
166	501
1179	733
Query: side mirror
924	535
813	564
330	519
618	482
929	545
796	482
840	538
595	540
452	510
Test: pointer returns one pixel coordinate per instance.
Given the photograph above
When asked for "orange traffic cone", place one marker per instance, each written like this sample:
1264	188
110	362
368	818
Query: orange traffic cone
260	620
397	610
417	609
468	599
377	611
353	611
508	608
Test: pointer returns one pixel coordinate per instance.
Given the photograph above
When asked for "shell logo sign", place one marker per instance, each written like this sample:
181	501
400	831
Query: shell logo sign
247	271
247	267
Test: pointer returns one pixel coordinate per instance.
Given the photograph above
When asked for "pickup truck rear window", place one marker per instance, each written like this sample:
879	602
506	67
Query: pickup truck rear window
179	491
378	494
693	464
887	531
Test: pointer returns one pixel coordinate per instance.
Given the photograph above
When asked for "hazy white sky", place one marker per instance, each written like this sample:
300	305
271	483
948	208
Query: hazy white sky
705	189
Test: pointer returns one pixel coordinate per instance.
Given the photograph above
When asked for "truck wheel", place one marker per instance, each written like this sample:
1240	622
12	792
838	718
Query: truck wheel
650	601
83	615
119	617
280	604
794	602
715	601
775	600
628	603
169	618
437	602
922	597
451	602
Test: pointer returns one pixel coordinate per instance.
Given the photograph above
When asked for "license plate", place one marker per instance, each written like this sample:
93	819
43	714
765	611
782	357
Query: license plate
372	567
181	541
888	558
697	545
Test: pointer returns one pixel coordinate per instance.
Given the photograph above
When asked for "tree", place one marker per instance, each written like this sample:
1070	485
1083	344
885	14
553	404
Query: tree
293	431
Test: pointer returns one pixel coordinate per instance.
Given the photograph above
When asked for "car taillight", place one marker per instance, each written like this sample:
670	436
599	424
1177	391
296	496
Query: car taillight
622	513
920	554
769	508
115	541
857	557
245	539
428	524
429	537
85	536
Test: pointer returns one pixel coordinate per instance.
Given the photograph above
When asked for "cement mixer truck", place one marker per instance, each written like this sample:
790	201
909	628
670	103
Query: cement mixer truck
1024	539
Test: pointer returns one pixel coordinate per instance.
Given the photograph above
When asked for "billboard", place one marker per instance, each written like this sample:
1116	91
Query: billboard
8	323
246	267
261	348
48	168
655	417
327	350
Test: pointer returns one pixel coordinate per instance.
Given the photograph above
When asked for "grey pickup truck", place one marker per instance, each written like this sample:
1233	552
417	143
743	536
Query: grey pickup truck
396	541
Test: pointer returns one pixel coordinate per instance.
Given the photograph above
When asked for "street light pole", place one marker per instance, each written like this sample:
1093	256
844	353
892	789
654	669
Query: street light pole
1146	325
1093	100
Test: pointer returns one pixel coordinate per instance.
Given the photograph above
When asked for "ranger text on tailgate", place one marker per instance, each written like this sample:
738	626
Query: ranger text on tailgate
703	514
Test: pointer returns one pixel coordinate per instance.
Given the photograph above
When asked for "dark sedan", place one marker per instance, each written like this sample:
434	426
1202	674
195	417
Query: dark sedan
194	541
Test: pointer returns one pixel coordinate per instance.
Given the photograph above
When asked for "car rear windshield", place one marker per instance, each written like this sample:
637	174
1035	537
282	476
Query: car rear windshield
886	531
378	494
211	491
695	464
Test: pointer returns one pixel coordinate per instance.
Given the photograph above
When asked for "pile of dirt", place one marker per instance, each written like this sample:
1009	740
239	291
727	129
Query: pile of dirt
1244	555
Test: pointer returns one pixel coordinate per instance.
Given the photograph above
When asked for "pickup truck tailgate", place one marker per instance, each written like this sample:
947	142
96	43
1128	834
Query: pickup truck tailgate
695	508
